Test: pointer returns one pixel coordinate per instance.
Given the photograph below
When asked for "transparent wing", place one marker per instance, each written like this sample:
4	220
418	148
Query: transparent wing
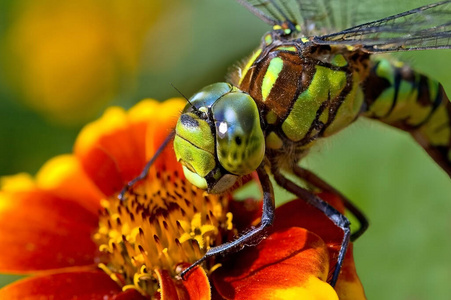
309	14
426	27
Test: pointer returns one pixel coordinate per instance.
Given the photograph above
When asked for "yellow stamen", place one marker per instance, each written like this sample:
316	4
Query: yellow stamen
163	222
214	268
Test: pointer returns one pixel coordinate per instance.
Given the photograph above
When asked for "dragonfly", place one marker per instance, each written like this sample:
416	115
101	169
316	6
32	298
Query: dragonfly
300	87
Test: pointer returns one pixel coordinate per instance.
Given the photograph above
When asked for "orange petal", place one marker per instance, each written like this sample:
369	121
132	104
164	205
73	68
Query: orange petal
195	287
290	264
348	285
299	213
73	285
114	149
159	128
18	182
108	151
40	231
64	177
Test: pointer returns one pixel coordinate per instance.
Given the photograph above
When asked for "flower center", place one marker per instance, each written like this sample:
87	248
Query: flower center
164	221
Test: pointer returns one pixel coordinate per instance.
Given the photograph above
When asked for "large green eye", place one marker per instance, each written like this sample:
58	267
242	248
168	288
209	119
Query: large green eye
240	143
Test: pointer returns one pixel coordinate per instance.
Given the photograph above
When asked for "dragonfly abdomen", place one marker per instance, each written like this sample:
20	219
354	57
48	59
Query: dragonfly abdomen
397	95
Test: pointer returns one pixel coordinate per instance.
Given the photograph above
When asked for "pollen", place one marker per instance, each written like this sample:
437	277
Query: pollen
162	222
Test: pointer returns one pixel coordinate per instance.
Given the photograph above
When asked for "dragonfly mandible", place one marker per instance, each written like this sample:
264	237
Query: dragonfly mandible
298	88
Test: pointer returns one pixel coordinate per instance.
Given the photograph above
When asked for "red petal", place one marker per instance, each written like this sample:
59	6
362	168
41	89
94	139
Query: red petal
130	294
102	168
287	265
167	285
109	150
73	285
158	130
333	200
195	287
245	212
298	213
40	231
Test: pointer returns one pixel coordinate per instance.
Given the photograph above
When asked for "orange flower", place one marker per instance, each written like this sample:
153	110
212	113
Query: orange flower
69	231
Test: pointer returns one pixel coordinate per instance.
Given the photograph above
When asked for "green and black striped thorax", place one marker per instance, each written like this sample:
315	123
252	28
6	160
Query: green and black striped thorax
303	90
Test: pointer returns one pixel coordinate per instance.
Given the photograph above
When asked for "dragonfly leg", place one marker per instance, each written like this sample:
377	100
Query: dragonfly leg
145	171
316	181
251	237
334	215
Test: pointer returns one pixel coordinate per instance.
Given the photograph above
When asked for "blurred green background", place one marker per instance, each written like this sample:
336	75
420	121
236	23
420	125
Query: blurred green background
63	62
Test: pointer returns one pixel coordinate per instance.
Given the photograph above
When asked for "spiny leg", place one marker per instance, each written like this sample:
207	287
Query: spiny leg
145	171
254	235
333	214
312	178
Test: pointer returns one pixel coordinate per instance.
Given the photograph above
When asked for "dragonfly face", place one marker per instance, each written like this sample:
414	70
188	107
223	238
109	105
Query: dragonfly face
219	137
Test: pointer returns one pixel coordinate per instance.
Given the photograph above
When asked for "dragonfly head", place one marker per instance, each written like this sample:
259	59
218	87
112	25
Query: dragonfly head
219	137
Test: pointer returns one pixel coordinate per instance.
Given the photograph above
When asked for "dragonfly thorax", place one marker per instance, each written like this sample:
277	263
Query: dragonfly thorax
304	92
219	137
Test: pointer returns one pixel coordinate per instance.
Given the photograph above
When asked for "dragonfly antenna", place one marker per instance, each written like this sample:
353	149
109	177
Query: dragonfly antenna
181	94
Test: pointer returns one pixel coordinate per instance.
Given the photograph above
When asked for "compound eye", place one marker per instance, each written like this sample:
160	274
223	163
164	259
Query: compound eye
240	142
